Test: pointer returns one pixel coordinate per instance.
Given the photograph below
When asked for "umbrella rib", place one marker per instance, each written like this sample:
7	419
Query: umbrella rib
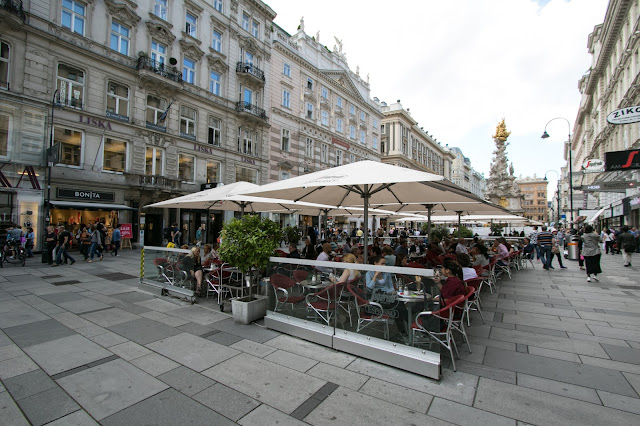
309	193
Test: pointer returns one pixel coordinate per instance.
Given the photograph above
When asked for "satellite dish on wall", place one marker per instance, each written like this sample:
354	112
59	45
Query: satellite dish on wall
173	61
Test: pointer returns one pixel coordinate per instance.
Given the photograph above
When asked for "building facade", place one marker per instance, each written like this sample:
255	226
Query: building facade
405	144
612	82
149	99
534	192
465	176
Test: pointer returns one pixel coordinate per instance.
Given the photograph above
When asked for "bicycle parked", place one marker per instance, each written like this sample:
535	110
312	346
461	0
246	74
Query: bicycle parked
13	252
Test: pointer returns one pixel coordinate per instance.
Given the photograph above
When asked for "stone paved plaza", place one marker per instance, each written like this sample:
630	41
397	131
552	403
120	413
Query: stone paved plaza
83	345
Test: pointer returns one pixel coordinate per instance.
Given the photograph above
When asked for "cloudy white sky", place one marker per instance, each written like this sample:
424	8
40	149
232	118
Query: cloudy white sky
461	66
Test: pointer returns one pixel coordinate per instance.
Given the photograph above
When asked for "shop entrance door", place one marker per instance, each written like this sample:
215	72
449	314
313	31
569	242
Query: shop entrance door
153	230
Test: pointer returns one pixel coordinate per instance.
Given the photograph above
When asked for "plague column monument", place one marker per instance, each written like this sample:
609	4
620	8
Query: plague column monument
501	186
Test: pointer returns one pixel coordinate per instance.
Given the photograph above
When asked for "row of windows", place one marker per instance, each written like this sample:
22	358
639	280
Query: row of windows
116	156
309	151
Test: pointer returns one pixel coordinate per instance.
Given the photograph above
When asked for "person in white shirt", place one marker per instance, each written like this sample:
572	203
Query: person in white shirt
461	247
468	272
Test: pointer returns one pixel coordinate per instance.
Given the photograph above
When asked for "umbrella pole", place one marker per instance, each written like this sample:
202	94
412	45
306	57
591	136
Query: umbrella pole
459	230
429	210
366	225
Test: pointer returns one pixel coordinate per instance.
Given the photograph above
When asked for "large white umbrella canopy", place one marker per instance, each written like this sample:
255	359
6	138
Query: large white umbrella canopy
220	198
365	182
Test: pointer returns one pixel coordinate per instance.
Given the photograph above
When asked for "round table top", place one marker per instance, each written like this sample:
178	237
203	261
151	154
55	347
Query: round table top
412	296
315	285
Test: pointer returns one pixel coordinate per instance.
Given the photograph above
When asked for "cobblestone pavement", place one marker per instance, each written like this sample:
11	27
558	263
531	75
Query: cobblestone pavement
82	345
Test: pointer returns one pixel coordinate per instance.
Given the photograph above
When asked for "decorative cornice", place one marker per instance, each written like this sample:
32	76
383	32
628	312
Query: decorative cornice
190	48
217	64
160	29
193	5
123	11
217	22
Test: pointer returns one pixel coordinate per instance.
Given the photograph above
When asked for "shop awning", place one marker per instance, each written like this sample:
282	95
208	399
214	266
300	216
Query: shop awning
88	206
595	216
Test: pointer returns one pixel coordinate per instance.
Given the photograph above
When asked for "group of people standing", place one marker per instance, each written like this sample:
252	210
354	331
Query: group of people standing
15	233
91	241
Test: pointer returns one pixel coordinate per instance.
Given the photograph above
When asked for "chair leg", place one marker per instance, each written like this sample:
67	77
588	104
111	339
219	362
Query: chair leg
451	343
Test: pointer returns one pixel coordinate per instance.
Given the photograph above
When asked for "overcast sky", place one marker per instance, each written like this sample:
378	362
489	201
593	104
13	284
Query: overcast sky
461	66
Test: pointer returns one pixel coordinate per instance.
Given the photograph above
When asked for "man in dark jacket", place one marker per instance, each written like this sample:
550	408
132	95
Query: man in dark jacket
626	243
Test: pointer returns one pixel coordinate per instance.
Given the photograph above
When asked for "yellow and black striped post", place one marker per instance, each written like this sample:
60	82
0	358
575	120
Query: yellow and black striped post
141	264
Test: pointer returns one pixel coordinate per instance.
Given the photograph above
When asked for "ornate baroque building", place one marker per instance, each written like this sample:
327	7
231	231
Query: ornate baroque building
534	192
466	176
403	143
151	99
613	82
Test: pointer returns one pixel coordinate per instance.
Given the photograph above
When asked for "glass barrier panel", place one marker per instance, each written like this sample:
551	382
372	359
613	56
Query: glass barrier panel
162	267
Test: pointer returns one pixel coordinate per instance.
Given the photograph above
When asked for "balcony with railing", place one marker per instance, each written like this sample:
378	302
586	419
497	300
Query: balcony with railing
251	71
153	182
153	67
250	110
14	7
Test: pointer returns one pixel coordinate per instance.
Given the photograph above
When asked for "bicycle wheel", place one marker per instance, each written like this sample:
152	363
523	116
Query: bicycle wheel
22	255
1	258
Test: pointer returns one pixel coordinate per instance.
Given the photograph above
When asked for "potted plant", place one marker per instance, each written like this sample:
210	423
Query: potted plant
291	234
247	243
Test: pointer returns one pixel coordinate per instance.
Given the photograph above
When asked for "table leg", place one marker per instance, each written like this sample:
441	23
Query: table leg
409	322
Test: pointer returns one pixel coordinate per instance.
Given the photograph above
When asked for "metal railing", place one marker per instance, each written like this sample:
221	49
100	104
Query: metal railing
167	71
252	109
249	68
14	7
153	181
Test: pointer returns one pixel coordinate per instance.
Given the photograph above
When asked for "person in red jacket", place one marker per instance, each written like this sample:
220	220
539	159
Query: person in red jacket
453	285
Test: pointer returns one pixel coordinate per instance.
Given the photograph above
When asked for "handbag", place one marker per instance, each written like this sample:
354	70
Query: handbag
555	250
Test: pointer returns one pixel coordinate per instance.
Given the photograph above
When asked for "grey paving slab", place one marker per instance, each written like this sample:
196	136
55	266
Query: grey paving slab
539	330
397	395
265	415
4	340
15	312
110	317
253	348
108	339
537	407
549	342
133	296
459	387
71	320
16	366
620	402
159	305
610	364
258	378
197	314
38	332
10	351
62	297
90	331
9	411
226	401
599	339
311	350
559	388
167	408
108	388
345	406
615	333
482	370
200	355
195	329
154	364
79	418
66	353
293	361
634	380
223	338
464	415
129	350
340	376
29	384
564	371
82	306
618	353
164	319
143	330
251	331
186	380
47	406
567	356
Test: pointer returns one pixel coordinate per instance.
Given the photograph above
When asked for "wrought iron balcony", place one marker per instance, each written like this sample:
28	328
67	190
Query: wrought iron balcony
167	71
14	7
248	68
66	102
153	182
252	109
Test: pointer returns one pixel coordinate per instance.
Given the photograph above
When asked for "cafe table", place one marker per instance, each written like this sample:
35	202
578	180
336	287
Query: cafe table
411	299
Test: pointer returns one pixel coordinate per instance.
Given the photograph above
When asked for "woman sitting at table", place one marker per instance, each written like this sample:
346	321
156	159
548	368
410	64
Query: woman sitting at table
380	287
192	266
210	255
465	262
358	253
480	254
347	274
401	260
389	257
501	251
308	252
453	285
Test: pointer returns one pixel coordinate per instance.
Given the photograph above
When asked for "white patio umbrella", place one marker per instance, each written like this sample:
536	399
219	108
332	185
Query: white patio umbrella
221	199
364	183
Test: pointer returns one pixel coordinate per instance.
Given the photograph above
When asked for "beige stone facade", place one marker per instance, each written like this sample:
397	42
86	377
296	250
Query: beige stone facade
534	192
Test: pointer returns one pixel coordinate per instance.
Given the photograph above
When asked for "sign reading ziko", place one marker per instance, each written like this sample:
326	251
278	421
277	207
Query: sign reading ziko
622	160
625	115
83	194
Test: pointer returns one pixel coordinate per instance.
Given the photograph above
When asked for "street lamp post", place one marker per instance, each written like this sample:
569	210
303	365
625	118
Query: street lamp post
45	252
545	135
558	192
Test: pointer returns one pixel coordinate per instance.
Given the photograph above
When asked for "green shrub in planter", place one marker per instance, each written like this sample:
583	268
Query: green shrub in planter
441	232
248	243
291	235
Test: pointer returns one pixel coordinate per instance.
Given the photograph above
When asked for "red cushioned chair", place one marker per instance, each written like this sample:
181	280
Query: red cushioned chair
369	312
284	289
474	300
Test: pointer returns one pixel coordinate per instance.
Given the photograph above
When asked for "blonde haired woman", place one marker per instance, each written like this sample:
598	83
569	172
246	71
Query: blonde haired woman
347	274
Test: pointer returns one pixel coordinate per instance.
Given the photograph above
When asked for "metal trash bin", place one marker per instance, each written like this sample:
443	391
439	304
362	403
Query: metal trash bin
572	248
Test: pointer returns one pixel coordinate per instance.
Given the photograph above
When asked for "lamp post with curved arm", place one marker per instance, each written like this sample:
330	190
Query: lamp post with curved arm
558	191
545	135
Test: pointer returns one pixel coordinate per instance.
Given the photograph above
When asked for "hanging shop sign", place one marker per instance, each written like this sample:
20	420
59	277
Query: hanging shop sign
625	115
634	203
622	160
126	230
83	194
594	165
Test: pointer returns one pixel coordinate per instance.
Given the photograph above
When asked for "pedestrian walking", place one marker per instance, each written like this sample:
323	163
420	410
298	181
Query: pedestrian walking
51	241
116	236
199	235
96	242
64	242
627	242
556	250
591	252
30	238
534	240
545	242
